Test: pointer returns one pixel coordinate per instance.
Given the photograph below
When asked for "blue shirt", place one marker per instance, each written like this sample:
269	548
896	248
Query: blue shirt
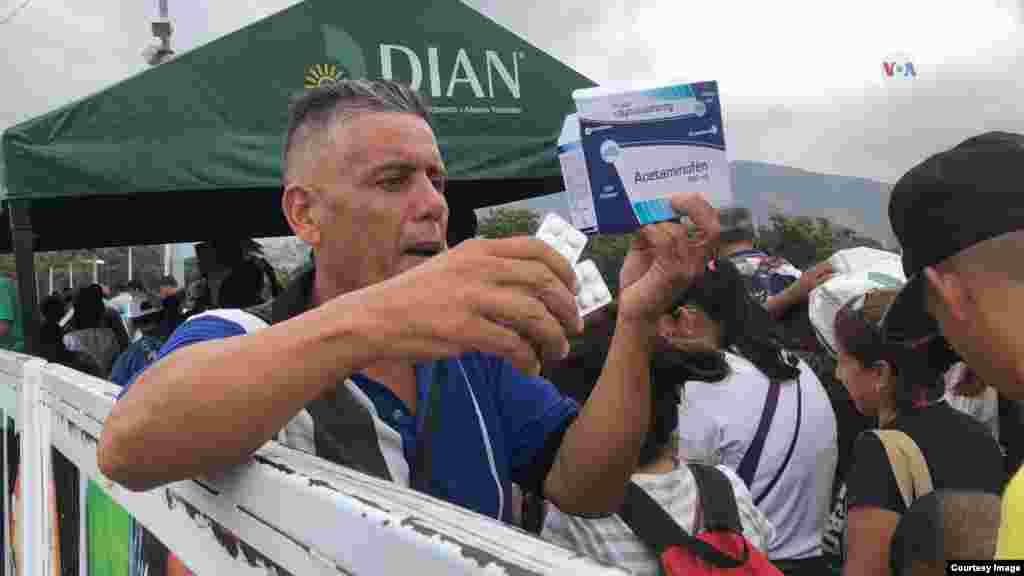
136	358
519	412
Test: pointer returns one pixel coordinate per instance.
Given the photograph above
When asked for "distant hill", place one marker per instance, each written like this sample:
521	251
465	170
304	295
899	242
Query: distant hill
856	203
859	204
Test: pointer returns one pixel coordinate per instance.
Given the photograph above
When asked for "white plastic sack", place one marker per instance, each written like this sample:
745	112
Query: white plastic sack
867	259
826	300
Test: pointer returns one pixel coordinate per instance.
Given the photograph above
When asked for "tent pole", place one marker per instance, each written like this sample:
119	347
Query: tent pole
23	240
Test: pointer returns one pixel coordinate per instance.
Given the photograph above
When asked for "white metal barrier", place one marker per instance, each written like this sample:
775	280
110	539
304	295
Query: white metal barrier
284	512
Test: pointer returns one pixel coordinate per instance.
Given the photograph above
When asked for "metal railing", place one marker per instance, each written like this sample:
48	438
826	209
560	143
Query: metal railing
284	512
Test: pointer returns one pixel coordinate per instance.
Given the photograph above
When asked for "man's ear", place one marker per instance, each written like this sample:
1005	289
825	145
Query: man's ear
945	294
300	207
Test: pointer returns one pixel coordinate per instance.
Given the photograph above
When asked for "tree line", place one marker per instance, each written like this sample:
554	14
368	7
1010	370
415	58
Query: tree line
802	240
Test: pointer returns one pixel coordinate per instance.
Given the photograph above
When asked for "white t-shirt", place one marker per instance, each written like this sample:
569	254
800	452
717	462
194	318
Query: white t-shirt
610	540
984	408
717	422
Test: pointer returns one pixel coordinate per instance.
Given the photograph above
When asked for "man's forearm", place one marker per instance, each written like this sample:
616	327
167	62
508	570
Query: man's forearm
212	404
780	303
601	449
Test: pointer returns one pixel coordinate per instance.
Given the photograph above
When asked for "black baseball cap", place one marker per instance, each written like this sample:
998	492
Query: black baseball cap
946	204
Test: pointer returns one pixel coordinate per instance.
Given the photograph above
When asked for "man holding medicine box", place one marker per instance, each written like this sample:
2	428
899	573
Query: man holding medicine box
394	336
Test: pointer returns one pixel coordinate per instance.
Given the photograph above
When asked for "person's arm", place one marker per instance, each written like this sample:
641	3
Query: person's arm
868	532
600	450
207	406
227	382
796	293
780	303
874	507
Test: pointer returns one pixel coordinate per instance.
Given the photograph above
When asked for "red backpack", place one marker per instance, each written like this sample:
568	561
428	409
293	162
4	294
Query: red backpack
720	548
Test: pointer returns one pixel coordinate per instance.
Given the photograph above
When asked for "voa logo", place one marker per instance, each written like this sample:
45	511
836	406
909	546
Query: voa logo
899	70
486	74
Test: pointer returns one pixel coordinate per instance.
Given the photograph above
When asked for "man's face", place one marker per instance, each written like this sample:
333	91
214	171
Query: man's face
972	319
381	208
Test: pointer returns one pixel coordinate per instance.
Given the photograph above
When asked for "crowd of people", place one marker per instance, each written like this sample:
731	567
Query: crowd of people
886	451
115	333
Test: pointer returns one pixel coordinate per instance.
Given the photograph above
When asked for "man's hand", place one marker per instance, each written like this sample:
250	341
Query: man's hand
797	292
664	260
512	297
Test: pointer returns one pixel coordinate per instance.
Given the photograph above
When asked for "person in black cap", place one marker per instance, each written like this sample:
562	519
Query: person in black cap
959	217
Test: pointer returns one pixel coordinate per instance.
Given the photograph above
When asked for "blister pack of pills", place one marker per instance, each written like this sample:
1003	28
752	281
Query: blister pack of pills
560	235
594	293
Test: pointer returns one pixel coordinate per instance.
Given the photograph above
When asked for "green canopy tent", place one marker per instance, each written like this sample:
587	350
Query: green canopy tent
190	150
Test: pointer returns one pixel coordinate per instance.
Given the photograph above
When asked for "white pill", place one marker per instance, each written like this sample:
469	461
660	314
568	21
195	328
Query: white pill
556	228
586	300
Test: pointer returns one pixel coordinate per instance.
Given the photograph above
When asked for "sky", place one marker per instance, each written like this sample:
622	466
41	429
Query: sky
801	80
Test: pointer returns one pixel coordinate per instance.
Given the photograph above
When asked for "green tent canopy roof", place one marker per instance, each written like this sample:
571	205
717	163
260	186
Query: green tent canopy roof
207	127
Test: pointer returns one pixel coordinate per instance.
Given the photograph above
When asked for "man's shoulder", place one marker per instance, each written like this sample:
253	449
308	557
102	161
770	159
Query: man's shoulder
232	318
213	325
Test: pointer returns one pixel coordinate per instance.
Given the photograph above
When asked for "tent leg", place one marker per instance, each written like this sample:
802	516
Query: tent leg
23	241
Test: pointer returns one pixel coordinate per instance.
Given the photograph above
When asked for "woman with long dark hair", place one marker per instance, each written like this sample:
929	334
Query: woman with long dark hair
903	387
757	409
90	331
659	473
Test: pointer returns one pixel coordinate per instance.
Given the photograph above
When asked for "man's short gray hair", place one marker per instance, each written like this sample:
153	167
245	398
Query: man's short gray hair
312	112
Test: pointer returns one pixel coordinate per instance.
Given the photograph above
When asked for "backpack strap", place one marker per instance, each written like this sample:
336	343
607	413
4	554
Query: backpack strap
789	452
343	429
748	466
344	432
717	499
533	513
660	532
908	464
